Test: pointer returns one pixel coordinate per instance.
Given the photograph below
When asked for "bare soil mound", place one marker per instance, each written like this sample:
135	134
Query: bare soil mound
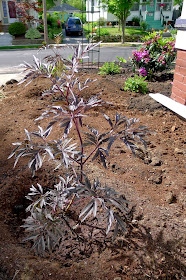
153	183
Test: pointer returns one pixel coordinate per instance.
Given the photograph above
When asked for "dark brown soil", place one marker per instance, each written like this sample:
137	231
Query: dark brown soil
153	182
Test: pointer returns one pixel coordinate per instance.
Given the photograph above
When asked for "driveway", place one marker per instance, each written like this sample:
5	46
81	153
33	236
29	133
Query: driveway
74	39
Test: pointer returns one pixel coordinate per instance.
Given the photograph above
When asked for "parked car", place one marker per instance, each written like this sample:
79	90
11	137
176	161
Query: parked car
74	25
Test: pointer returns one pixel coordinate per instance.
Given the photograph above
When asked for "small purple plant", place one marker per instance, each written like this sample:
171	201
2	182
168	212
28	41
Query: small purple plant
49	211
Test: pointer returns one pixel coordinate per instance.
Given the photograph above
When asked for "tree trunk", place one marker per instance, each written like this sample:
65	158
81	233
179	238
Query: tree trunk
123	23
45	23
119	25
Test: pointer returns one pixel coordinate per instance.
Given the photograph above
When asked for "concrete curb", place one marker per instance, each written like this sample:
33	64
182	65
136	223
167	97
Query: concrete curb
127	44
9	73
4	78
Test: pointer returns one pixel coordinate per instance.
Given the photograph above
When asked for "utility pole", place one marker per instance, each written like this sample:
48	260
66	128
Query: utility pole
45	22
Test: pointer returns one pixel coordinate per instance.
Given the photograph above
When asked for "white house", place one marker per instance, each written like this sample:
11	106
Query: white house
64	10
9	13
155	13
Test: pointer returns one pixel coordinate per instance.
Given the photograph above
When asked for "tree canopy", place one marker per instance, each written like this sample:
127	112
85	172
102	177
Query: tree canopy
179	2
23	9
121	9
79	4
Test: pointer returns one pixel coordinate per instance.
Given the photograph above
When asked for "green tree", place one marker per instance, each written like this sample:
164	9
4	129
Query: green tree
179	2
79	4
49	3
24	8
121	9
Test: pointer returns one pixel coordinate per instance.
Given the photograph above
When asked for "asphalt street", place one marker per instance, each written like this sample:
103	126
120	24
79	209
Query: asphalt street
12	58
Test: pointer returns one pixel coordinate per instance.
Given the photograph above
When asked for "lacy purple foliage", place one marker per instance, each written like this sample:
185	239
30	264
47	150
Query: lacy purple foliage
49	219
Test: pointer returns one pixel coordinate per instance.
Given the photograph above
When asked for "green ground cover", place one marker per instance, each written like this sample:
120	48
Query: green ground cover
117	31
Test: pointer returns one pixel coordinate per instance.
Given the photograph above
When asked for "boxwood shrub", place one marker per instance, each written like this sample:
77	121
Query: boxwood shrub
17	29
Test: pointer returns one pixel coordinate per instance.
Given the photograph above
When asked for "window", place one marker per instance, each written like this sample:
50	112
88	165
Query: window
167	7
144	6
92	6
5	14
135	7
151	3
164	4
74	21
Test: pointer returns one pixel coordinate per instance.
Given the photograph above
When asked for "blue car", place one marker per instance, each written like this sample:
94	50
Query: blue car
74	25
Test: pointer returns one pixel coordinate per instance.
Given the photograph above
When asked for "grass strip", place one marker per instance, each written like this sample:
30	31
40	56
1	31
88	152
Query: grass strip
19	47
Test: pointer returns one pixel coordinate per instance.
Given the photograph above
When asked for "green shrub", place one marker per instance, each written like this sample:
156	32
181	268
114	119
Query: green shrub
109	68
101	21
56	15
155	55
136	84
173	32
121	60
17	28
49	20
136	21
40	28
92	24
52	20
50	34
143	25
32	33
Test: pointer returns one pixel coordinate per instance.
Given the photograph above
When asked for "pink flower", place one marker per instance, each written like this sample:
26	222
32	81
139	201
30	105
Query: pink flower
138	55
143	72
147	60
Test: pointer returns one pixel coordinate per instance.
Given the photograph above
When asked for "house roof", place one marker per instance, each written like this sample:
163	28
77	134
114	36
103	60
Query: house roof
64	8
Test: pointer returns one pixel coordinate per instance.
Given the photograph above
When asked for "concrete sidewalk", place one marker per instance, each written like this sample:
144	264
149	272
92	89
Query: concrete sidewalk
5	39
6	74
7	77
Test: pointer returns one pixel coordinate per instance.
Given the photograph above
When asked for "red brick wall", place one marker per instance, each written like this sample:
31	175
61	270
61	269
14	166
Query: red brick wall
179	83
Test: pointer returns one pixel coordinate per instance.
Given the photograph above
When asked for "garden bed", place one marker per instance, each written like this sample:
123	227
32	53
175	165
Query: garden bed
18	41
153	183
117	38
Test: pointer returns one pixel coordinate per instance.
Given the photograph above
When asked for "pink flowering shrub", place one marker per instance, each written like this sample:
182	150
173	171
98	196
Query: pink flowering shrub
155	55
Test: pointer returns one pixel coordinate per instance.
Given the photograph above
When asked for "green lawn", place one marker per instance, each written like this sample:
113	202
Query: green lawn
116	31
128	31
